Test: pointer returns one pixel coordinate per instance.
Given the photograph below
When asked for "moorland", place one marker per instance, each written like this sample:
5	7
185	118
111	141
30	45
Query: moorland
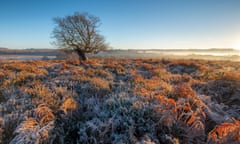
227	54
107	100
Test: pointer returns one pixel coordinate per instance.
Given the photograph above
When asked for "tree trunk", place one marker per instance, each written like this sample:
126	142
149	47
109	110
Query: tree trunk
81	55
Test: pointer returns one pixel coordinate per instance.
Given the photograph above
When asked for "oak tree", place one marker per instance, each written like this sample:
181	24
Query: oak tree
80	33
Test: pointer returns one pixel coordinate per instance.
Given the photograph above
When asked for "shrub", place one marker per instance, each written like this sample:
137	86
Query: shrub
69	105
43	114
100	84
183	90
225	133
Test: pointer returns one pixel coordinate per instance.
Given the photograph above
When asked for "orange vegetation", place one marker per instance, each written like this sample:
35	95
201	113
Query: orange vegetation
119	101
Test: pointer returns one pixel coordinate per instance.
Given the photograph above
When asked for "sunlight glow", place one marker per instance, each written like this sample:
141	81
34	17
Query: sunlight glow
236	45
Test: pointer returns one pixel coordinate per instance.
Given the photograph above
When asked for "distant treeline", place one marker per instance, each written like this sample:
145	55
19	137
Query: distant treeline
180	50
45	52
54	52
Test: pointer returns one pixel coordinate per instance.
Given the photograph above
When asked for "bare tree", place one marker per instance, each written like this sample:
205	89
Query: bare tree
79	32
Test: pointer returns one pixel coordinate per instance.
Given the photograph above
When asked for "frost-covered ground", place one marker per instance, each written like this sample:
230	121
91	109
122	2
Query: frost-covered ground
120	101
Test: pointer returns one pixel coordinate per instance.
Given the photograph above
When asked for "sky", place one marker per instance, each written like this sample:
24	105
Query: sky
127	24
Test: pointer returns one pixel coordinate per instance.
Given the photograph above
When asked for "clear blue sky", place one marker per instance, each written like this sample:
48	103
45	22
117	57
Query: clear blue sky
127	24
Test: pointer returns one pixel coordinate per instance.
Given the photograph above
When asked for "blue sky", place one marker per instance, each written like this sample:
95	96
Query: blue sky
127	24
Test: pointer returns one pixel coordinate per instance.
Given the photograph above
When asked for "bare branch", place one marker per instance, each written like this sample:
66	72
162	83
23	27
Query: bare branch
79	32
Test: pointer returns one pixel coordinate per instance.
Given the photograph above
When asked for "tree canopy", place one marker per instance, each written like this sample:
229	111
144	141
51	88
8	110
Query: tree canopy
80	33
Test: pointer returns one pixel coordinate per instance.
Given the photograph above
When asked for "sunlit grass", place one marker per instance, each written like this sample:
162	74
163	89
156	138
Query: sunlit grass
119	101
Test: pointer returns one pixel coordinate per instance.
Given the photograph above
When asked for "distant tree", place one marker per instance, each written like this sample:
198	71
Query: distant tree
79	32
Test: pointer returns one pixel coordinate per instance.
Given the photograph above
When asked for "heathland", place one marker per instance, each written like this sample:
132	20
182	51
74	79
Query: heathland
119	101
227	54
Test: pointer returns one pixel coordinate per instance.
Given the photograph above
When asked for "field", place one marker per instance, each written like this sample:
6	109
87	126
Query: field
51	54
119	101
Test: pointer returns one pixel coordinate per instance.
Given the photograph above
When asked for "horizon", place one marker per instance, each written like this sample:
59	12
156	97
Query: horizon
127	24
163	49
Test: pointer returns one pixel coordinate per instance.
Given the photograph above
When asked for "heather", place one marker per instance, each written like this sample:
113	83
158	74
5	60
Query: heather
120	101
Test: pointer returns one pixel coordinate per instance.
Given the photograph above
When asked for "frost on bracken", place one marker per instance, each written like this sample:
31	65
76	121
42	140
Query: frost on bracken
119	101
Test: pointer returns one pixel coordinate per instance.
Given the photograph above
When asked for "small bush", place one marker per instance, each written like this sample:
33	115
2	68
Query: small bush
69	105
